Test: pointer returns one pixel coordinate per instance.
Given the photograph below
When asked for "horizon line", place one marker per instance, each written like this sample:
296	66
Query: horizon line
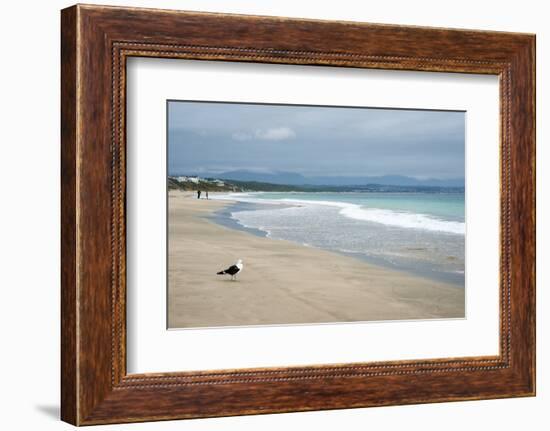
198	174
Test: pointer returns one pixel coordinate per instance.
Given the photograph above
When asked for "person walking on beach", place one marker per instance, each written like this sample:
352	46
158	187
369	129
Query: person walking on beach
206	194
198	194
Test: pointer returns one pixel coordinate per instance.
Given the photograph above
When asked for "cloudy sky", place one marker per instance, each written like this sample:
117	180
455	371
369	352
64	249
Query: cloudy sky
311	140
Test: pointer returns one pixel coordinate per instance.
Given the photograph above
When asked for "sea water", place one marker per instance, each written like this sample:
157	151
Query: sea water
423	233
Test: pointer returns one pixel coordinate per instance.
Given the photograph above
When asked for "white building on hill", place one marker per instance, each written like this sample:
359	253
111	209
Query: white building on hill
185	179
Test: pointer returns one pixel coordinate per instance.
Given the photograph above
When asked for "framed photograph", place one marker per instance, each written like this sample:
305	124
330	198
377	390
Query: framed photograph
321	242
263	214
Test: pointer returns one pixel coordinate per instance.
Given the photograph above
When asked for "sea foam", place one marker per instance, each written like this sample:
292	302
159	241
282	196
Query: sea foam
388	217
402	219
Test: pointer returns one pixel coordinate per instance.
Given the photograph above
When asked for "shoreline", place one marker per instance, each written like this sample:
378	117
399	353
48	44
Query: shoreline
283	282
223	217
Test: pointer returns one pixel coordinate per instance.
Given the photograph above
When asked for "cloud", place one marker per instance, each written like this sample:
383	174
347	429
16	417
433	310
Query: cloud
345	141
241	136
276	134
271	134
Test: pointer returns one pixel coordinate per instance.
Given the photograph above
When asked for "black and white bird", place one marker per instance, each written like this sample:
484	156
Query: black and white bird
233	270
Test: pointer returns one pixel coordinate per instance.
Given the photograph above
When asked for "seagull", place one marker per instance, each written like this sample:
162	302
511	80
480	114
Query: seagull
233	270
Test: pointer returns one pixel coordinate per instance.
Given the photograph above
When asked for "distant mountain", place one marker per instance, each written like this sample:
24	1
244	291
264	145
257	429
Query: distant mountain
292	178
390	180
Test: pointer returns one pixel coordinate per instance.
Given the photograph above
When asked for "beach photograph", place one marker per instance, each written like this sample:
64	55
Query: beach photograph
296	214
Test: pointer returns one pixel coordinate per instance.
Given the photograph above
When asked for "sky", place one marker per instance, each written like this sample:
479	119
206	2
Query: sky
206	137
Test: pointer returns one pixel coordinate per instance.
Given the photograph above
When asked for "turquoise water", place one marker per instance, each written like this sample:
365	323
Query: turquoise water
417	232
446	205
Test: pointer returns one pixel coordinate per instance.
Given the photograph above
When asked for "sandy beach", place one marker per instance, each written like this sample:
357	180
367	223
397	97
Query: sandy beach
283	282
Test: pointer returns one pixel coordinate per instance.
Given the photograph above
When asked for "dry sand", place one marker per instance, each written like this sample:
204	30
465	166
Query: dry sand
283	282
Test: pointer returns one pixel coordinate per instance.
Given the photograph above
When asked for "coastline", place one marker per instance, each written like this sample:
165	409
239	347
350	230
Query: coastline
283	282
418	267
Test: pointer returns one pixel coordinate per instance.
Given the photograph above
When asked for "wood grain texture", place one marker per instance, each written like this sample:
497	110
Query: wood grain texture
96	41
69	366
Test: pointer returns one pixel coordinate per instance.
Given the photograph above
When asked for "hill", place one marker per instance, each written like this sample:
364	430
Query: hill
192	183
296	179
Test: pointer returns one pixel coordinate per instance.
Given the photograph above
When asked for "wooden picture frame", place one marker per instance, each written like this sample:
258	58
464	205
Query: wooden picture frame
95	43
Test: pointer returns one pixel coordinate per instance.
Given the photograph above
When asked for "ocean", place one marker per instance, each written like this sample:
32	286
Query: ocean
421	233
